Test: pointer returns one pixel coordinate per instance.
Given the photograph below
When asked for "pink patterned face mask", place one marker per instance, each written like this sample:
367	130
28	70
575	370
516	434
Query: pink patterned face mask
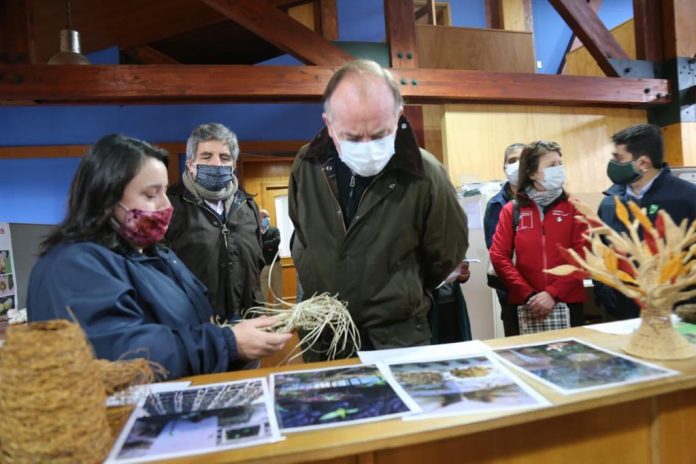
144	228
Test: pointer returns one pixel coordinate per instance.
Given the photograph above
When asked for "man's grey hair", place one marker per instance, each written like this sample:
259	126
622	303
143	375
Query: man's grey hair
208	132
511	148
362	67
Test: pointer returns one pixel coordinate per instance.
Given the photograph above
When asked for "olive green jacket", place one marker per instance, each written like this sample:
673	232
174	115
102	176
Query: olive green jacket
226	257
408	234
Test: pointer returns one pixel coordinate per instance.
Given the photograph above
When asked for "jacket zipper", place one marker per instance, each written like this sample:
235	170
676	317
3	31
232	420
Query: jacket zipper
340	211
543	248
363	194
224	231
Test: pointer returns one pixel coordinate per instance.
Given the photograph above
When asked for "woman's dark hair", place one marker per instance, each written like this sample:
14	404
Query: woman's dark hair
529	164
98	186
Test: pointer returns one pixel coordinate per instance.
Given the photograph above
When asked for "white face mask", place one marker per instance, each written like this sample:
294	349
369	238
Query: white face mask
367	159
511	172
554	177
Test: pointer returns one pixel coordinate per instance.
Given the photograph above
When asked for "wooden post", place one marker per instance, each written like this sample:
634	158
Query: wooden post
16	35
679	121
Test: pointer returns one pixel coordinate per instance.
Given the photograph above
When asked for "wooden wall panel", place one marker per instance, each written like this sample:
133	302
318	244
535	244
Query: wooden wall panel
432	129
675	428
475	136
680	144
587	437
257	173
481	49
579	62
517	15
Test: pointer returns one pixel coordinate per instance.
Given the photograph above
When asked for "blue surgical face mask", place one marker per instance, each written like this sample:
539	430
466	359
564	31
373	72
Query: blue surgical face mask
213	178
554	177
265	222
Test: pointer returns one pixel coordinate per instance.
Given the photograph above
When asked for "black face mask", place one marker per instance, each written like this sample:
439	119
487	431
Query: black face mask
623	173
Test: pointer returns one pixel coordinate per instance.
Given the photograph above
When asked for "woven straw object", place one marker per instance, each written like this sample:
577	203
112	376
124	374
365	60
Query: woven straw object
653	264
52	399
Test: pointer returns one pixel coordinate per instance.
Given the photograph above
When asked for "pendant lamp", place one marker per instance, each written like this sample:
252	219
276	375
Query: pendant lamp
69	44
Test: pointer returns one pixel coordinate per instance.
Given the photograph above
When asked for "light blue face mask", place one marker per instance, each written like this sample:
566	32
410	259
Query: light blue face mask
554	177
265	222
512	172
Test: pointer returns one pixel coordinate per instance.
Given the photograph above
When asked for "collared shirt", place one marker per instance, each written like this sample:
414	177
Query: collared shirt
217	206
643	190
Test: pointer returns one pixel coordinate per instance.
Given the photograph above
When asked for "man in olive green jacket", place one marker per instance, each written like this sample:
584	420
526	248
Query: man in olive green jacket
376	218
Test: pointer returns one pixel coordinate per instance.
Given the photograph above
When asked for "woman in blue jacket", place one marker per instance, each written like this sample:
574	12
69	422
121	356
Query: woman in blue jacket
133	298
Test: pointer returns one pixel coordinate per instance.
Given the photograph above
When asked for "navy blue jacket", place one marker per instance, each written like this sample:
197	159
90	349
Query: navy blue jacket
132	305
675	196
493	208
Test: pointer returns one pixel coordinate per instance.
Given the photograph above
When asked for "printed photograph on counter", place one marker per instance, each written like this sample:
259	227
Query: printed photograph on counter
326	398
572	366
198	420
474	384
687	330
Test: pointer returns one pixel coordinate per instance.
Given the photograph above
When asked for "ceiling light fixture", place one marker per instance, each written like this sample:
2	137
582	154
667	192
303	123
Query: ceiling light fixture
69	44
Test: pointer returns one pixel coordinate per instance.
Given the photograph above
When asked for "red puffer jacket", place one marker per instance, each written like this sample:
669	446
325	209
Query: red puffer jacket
537	246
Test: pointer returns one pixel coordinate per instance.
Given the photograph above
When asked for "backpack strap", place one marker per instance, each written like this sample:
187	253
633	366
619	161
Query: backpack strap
515	215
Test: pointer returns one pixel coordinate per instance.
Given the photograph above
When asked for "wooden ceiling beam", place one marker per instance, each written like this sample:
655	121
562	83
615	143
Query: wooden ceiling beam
647	22
400	21
223	83
124	23
574	43
598	40
328	18
279	29
494	14
288	3
16	35
148	55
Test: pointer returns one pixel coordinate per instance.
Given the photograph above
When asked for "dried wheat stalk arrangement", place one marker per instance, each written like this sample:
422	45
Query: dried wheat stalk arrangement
656	271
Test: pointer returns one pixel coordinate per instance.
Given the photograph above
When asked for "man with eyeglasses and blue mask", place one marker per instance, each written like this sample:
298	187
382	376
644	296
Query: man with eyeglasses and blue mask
377	221
639	174
215	226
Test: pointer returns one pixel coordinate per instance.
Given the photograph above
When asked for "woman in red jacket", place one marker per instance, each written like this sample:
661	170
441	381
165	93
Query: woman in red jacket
546	224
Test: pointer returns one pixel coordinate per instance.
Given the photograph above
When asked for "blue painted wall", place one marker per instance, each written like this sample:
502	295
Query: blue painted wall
35	190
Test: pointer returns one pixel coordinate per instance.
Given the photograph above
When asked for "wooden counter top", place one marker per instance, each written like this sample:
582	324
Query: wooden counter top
645	422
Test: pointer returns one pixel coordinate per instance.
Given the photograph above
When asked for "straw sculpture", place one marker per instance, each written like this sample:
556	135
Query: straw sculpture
53	393
656	271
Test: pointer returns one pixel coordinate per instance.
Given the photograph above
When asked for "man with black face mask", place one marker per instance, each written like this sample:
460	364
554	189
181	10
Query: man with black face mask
215	227
639	174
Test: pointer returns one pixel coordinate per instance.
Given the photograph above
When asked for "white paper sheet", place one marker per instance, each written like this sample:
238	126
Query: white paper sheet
584	367
624	327
135	394
402	355
197	420
472	384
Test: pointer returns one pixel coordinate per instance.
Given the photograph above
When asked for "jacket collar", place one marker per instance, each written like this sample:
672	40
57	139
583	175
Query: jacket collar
180	190
407	158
